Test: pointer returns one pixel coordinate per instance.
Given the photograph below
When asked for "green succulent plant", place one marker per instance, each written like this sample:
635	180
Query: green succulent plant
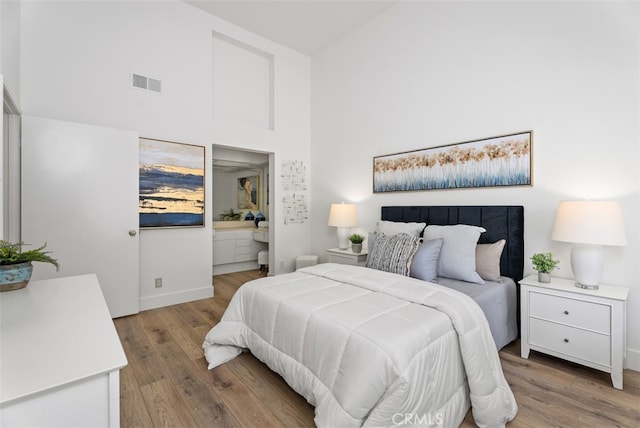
11	254
356	239
230	214
544	262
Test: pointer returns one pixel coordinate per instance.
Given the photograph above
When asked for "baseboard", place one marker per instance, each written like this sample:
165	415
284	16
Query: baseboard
234	267
169	299
633	360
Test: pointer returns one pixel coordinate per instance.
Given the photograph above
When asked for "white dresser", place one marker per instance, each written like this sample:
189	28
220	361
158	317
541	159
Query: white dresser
60	356
584	326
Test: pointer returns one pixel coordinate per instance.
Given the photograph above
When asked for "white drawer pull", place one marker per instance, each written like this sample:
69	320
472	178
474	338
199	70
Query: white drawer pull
566	312
566	340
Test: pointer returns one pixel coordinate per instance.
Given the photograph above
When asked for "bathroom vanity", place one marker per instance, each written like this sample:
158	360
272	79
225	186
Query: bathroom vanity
236	245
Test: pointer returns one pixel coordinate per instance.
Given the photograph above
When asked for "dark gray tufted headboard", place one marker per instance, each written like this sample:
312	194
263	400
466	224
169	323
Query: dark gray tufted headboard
501	222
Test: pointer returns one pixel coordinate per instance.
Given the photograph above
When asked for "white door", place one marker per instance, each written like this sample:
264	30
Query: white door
80	196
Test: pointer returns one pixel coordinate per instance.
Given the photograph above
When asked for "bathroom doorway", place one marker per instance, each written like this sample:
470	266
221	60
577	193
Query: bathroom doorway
240	210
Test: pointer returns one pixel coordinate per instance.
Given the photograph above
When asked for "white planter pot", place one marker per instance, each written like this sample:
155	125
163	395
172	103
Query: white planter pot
544	277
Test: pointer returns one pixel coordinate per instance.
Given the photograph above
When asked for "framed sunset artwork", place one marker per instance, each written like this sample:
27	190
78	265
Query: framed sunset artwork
171	184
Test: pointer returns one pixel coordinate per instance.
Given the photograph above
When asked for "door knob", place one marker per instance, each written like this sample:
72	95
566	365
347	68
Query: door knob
132	232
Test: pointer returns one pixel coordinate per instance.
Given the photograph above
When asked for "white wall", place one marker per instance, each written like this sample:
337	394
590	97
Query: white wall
10	81
424	74
10	47
77	58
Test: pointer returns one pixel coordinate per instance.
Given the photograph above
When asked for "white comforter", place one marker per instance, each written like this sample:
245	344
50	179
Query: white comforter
369	348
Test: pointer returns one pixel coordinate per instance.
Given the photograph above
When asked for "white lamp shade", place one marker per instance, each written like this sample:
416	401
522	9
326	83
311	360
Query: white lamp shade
343	215
589	222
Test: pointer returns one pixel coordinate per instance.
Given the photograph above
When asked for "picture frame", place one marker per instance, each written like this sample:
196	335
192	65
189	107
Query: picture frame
248	191
505	160
171	183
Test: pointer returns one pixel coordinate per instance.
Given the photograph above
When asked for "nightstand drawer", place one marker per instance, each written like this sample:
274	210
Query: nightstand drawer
570	341
347	257
339	258
577	313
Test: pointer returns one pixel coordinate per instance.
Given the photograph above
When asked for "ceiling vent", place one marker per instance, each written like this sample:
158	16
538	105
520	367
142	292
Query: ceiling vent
146	83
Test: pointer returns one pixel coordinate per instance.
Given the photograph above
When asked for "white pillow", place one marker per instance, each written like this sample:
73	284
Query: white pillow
458	254
395	227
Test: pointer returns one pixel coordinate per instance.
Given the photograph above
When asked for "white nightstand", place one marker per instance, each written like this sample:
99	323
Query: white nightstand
587	327
347	257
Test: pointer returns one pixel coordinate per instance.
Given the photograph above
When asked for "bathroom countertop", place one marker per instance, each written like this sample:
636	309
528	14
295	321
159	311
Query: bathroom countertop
239	224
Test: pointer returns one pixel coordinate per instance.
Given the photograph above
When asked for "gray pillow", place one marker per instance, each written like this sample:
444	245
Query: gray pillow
371	241
458	254
393	253
424	265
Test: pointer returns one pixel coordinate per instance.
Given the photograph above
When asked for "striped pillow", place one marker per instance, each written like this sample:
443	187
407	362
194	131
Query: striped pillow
393	253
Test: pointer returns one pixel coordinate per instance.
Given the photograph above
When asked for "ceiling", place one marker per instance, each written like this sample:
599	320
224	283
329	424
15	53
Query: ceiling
306	26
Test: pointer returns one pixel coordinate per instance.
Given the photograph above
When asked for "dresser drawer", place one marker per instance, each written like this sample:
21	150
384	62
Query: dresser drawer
243	242
244	234
226	235
577	313
571	341
243	250
244	257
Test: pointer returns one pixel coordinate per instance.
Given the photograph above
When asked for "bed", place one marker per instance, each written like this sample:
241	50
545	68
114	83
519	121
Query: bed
499	300
373	348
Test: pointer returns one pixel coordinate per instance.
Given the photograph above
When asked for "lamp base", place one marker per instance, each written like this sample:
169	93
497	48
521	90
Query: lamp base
587	287
343	238
586	263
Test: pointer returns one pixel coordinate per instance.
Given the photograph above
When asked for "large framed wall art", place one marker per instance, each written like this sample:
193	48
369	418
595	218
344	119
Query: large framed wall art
171	184
495	161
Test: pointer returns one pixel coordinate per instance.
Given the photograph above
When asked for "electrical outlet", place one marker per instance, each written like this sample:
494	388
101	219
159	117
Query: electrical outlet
158	282
281	264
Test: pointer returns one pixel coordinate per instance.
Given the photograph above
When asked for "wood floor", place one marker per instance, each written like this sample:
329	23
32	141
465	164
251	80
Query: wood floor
167	384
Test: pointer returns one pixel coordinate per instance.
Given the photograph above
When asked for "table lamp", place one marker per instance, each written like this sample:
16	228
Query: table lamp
588	225
343	216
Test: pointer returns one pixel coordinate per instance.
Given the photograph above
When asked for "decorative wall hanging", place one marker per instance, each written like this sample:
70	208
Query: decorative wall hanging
496	161
294	189
171	184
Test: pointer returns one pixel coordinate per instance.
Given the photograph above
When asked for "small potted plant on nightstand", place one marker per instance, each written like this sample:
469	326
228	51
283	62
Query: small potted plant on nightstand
544	263
356	242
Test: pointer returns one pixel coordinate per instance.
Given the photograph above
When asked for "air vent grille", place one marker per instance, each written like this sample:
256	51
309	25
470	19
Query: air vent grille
154	85
146	83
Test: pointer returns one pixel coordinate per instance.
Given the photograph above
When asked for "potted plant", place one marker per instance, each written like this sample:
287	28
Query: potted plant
544	263
356	242
15	264
230	215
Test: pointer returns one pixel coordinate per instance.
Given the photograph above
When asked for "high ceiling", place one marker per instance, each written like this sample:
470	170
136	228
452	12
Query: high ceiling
302	25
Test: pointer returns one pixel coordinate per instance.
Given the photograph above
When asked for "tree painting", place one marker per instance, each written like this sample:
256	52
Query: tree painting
498	161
